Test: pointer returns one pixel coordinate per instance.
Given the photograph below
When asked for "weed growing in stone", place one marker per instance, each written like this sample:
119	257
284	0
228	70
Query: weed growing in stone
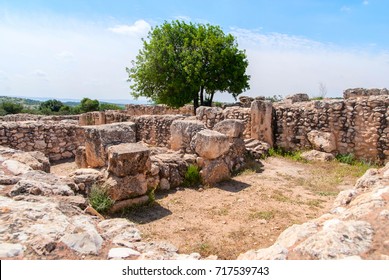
192	176
99	198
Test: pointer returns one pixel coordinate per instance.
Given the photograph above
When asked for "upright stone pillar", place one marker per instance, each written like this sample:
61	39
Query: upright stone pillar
262	121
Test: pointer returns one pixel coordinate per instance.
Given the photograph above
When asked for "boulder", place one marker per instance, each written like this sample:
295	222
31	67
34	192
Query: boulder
214	171
36	160
182	132
99	138
42	183
231	128
15	167
121	188
314	155
128	159
322	141
297	97
211	144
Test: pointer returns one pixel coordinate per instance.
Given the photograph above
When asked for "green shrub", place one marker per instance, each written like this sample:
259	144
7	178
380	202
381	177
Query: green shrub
346	158
99	198
11	107
192	176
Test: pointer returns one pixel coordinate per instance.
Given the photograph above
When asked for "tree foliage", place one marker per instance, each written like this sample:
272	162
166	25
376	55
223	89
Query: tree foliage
183	62
51	105
9	107
89	105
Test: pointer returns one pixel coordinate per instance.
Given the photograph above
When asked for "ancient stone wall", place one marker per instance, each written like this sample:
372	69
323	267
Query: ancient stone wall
154	130
57	140
104	117
138	110
358	126
29	117
210	116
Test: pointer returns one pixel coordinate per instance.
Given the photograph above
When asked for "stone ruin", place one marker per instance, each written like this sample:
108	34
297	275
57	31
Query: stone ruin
133	155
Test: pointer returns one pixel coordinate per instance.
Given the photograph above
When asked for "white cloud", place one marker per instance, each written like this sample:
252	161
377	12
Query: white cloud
66	56
284	64
365	3
345	9
140	27
183	18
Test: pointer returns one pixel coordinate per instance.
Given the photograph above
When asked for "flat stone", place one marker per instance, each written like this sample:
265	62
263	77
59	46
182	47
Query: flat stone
10	250
121	253
231	128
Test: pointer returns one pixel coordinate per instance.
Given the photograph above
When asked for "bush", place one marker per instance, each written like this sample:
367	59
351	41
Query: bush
11	107
99	199
108	106
192	176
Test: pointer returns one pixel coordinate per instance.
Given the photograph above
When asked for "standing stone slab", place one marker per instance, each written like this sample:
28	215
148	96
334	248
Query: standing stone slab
98	138
262	121
128	159
322	141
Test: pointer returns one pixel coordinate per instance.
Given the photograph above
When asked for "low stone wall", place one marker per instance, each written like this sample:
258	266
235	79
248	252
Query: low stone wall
210	116
154	130
104	117
29	117
138	110
358	126
57	140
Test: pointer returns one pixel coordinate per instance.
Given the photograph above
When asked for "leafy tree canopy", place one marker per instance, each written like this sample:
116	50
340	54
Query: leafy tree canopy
52	105
183	62
89	105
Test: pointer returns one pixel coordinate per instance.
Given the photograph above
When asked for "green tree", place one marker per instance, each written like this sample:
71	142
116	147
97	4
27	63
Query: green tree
51	105
11	107
89	105
183	62
109	106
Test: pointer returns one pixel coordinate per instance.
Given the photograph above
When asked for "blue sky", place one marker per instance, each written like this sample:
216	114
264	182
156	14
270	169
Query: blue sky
72	49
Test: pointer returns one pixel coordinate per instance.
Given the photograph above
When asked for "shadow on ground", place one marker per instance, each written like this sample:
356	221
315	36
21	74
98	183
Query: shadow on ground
146	214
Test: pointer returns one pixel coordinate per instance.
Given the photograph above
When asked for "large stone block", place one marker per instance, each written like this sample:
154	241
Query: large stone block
182	132
99	138
262	121
211	144
231	128
121	188
128	159
214	171
322	141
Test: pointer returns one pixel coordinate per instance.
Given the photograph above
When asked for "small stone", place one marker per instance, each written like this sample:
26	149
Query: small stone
121	253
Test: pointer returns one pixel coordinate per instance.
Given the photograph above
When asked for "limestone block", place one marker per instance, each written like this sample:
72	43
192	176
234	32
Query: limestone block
182	132
262	121
99	138
231	128
298	97
214	171
121	188
211	144
128	159
80	157
36	160
322	141
317	156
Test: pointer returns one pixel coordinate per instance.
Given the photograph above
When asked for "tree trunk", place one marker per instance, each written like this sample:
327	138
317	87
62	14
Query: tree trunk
202	95
195	103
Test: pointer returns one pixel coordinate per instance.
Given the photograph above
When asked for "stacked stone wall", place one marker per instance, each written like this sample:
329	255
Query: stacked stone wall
154	130
359	126
30	117
57	140
210	116
139	110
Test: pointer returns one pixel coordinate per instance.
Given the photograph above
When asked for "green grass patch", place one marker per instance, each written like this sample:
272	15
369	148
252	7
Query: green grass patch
99	199
192	176
262	215
293	155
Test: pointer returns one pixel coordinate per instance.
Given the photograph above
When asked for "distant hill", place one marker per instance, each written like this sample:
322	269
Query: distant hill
33	102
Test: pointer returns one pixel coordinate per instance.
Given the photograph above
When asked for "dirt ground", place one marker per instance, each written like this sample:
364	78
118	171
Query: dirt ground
247	212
